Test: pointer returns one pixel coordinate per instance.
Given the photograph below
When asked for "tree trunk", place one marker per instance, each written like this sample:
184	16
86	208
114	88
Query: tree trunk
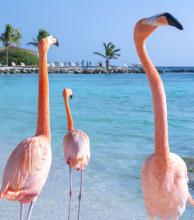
7	56
107	63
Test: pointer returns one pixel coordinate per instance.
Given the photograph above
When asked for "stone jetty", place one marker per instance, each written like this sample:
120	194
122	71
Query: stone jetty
96	70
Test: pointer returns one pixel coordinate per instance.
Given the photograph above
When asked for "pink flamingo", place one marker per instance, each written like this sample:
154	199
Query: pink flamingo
76	149
28	166
164	174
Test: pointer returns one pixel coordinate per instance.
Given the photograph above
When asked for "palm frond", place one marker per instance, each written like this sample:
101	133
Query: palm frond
112	47
109	45
42	34
116	50
111	52
10	35
115	57
1	37
105	46
35	44
99	54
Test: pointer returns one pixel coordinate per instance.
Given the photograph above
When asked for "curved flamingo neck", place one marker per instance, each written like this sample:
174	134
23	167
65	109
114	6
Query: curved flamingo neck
159	101
43	121
69	115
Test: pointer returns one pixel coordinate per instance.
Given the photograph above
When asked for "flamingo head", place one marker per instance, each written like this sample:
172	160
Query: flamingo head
46	42
52	40
146	26
67	93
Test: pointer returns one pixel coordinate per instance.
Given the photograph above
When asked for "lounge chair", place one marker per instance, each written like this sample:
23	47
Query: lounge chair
125	65
22	64
13	64
61	65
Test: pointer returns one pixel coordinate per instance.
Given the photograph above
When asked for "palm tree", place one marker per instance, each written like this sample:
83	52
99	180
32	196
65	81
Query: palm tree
11	36
41	34
110	53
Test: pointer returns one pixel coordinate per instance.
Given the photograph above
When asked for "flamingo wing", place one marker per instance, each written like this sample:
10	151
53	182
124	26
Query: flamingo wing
27	168
77	149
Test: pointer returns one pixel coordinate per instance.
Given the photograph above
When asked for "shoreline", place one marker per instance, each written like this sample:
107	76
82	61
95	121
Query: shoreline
95	70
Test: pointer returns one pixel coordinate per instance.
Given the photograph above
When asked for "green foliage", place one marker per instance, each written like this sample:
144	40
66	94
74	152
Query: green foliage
10	36
41	34
34	43
17	56
110	52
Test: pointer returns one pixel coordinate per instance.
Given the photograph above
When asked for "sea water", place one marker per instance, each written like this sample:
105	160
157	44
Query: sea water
116	112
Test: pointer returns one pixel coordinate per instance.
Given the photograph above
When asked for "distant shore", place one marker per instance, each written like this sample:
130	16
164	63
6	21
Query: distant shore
93	70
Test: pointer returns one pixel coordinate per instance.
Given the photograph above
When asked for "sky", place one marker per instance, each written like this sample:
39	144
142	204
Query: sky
82	26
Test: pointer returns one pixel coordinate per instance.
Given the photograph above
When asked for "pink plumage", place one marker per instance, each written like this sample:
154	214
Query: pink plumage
164	174
165	190
26	170
28	166
77	149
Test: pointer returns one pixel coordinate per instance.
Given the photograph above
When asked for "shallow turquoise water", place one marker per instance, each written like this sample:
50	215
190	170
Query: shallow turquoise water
116	112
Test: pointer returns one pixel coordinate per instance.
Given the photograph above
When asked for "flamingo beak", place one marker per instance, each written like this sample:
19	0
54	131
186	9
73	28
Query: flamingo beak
71	96
163	19
53	40
57	42
172	21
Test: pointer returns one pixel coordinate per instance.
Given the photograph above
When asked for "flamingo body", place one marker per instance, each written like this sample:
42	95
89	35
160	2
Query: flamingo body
165	190
28	166
76	149
164	174
26	170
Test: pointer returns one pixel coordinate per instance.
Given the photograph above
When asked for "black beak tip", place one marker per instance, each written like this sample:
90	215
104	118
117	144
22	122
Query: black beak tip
57	43
173	21
71	96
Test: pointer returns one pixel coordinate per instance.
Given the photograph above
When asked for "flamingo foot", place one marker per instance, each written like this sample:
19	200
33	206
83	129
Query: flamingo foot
70	192
80	195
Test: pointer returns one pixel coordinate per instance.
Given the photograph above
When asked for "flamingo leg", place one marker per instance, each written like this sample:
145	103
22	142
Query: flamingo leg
70	192
80	195
30	210
21	211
